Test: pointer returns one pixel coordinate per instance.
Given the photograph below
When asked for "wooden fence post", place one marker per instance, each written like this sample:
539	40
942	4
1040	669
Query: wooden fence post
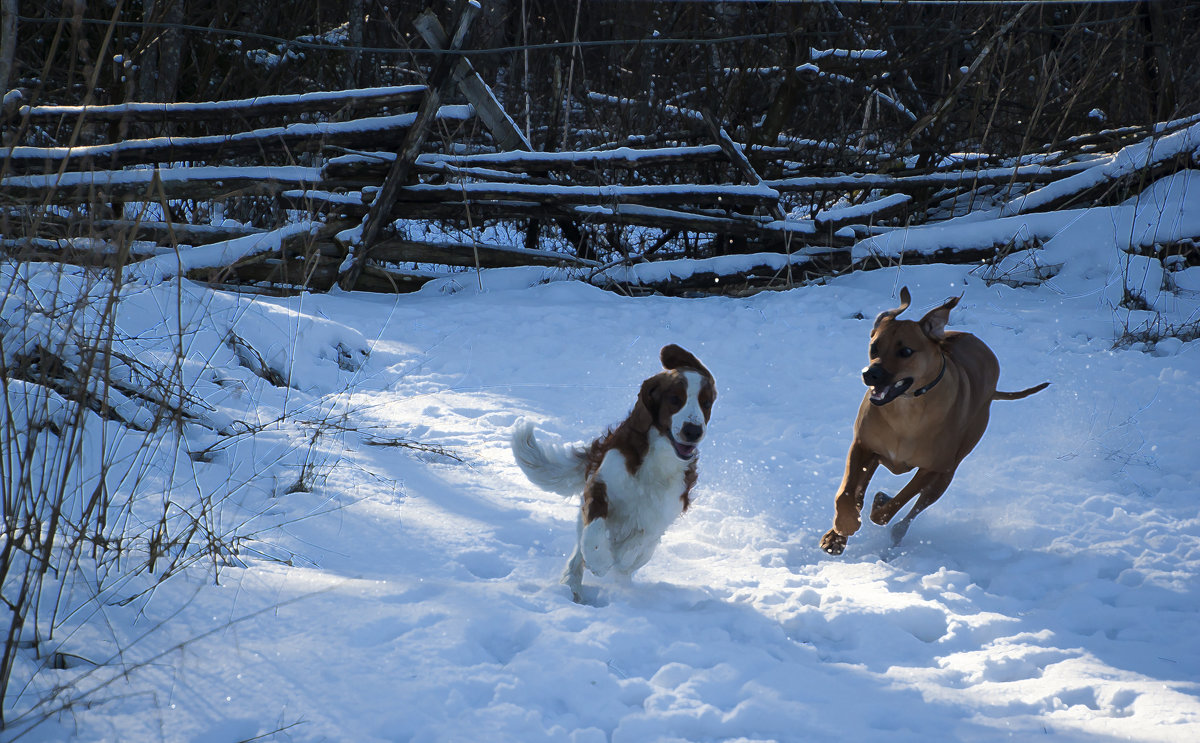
494	117
738	158
439	81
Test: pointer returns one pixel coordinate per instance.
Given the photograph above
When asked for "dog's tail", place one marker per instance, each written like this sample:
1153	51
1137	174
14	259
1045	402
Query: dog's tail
998	395
558	468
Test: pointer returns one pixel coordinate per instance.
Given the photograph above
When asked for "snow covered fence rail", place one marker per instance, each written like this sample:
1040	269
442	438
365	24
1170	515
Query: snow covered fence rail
1116	176
236	109
280	142
374	166
200	182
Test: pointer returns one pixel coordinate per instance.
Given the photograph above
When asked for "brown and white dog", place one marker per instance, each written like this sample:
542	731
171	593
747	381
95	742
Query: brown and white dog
927	406
636	479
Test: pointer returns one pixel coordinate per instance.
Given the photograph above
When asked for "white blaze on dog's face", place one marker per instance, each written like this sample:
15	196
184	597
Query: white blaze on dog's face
684	401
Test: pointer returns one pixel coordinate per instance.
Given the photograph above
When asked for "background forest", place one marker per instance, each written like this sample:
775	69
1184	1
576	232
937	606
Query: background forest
805	89
1055	69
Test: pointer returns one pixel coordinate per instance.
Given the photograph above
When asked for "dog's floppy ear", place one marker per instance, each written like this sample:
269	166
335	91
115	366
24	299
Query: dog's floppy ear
674	357
905	300
645	410
934	322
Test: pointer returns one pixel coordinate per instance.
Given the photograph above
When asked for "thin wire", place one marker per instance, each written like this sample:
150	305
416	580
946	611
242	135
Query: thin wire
295	43
599	43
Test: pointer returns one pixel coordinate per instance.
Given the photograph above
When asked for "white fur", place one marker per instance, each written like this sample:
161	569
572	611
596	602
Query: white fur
691	412
555	467
640	507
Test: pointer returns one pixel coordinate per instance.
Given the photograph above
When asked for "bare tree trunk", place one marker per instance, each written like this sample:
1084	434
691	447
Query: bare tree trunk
8	41
1156	62
158	77
354	62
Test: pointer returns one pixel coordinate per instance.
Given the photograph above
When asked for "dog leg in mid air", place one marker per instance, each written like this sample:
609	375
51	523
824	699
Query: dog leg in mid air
597	555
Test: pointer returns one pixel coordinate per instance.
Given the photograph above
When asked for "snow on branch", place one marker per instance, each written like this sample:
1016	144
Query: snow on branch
1175	151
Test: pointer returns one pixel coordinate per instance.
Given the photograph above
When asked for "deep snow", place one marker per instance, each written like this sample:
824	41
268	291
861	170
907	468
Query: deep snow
1051	594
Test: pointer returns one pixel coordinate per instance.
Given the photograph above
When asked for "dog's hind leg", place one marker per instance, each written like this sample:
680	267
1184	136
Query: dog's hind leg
884	508
573	573
929	496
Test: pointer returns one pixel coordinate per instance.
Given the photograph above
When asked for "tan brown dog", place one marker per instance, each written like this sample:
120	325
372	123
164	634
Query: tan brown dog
927	407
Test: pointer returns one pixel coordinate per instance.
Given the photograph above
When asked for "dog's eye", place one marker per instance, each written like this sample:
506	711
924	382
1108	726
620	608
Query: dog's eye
904	352
675	400
874	351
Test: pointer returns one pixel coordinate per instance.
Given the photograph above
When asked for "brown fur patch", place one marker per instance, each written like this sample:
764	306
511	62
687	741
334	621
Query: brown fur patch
689	481
595	501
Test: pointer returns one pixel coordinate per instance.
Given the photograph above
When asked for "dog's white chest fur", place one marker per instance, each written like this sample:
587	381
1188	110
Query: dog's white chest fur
640	507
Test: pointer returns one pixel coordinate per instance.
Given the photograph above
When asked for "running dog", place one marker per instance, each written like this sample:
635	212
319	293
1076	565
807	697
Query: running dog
927	407
636	479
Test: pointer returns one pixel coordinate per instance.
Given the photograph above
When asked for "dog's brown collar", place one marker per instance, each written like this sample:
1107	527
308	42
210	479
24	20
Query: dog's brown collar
937	379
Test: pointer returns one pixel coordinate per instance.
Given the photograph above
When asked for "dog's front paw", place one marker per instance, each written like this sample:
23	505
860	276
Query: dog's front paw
597	555
833	543
882	509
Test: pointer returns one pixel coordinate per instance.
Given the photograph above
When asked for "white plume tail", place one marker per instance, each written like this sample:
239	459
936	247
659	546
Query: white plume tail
558	468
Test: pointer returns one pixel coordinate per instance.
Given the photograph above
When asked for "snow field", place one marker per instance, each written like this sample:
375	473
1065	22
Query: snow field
1051	592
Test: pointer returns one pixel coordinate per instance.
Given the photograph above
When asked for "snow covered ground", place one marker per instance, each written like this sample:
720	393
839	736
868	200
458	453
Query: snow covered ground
1051	594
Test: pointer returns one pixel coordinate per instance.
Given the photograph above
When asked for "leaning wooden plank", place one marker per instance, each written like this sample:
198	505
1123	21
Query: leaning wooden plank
739	160
472	86
398	174
493	115
264	105
356	134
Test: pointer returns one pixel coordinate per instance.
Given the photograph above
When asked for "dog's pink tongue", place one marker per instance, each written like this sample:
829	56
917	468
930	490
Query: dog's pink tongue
684	451
877	393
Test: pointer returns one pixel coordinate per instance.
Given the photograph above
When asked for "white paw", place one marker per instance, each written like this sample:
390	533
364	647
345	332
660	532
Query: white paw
597	555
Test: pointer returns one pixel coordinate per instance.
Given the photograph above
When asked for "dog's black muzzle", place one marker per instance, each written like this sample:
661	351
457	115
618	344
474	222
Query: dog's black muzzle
883	388
875	375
